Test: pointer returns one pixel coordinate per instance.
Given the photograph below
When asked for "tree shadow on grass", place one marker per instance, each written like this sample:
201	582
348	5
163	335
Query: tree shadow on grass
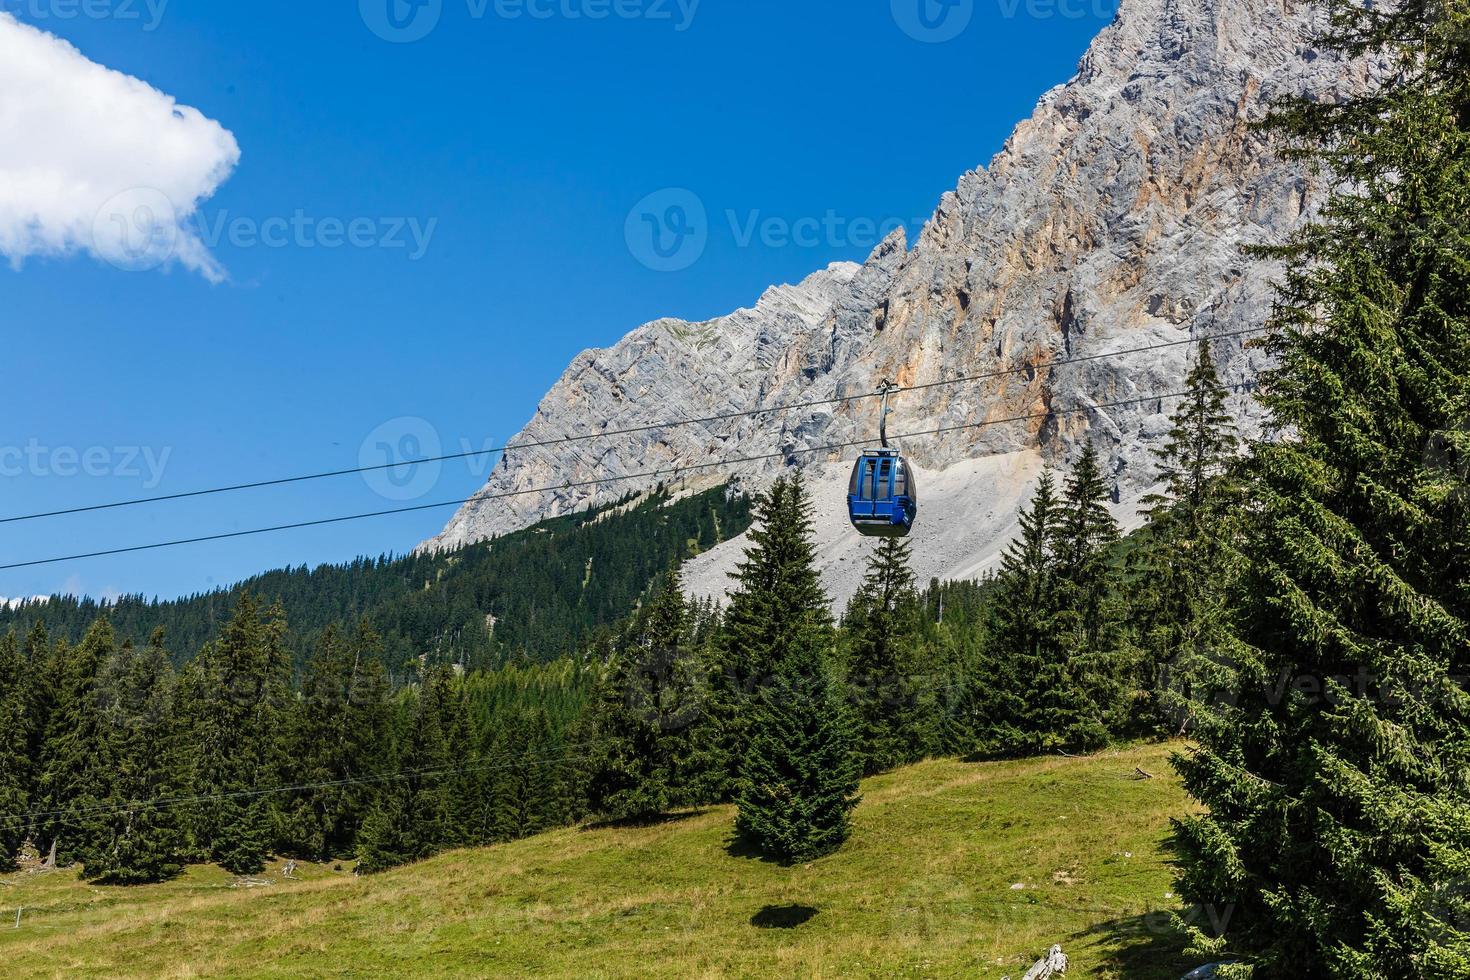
739	846
633	823
1142	947
782	916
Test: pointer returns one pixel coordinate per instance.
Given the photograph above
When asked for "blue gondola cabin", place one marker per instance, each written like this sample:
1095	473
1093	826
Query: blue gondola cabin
882	499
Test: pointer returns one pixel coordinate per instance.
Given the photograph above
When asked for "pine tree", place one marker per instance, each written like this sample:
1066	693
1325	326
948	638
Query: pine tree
531	772
1082	701
139	841
40	664
1084	578
340	730
233	704
1183	564
799	775
468	784
882	624
1198	456
1023	653
384	842
72	778
798	768
14	764
1338	823
779	598
641	719
412	818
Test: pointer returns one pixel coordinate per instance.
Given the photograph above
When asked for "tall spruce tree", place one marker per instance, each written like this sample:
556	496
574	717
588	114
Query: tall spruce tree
14	763
1082	701
233	704
1338	823
1181	570
883	629
340	730
412	817
468	783
798	772
139	841
41	665
641	720
995	708
1085	579
531	775
778	600
72	781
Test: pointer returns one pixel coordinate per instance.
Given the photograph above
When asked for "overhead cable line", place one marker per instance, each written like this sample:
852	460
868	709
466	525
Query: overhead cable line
669	472
613	433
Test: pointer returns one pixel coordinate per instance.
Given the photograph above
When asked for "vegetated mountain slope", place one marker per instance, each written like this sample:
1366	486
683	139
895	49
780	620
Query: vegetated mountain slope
534	594
1113	219
924	888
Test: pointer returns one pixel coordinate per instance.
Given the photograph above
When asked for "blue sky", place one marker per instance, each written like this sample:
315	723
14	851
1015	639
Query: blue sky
491	168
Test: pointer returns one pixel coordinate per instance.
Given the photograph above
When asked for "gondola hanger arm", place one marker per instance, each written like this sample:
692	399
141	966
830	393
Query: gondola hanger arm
886	388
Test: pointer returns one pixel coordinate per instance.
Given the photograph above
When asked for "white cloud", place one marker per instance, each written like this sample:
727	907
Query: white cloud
94	160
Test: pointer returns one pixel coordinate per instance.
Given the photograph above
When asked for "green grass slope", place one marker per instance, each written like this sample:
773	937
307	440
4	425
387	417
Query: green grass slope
924	889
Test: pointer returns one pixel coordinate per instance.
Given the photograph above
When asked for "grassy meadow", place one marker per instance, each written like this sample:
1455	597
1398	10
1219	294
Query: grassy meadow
925	888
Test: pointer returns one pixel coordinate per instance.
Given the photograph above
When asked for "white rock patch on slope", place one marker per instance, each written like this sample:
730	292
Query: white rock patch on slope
968	515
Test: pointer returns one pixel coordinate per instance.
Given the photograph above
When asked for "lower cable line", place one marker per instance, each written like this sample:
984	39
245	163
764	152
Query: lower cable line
670	472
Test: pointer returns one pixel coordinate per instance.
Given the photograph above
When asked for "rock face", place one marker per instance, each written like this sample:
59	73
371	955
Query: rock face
1112	219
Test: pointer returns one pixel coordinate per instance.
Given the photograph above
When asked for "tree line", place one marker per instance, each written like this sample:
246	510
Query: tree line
526	598
113	760
132	768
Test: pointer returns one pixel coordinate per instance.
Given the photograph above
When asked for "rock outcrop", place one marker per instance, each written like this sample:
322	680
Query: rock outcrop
1113	219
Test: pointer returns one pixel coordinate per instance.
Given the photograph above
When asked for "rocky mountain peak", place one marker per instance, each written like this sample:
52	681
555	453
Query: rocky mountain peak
1112	219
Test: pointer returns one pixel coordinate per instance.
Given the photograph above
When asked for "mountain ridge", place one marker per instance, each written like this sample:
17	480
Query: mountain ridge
1112	218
